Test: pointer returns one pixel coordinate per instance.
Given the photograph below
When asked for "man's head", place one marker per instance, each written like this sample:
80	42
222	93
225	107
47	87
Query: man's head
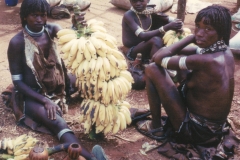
32	6
219	18
139	5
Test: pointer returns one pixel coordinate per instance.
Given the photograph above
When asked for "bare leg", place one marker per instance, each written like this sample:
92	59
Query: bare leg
38	113
148	48
168	95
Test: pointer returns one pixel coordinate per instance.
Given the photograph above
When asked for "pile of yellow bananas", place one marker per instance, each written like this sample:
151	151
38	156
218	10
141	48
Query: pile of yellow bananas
19	147
172	36
102	76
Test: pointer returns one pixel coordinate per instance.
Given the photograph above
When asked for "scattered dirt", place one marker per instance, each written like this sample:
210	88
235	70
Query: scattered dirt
116	148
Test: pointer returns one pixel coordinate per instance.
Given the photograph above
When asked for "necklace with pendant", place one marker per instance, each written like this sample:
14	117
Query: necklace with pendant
141	22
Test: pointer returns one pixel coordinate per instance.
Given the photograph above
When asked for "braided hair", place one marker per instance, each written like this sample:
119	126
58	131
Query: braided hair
219	18
31	6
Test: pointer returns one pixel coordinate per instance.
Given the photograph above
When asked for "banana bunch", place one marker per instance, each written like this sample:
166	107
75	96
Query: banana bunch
19	147
102	76
172	36
106	118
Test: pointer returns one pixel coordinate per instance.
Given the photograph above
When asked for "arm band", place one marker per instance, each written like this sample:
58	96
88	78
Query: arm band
165	62
182	63
17	77
138	31
198	51
170	19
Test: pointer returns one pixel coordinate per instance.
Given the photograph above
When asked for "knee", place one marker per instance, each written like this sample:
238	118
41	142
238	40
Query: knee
156	41
153	70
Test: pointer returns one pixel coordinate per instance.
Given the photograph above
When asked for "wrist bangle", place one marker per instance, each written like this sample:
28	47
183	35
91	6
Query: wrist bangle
161	30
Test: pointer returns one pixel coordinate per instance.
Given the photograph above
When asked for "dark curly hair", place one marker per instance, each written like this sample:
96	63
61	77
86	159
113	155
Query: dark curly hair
31	6
220	18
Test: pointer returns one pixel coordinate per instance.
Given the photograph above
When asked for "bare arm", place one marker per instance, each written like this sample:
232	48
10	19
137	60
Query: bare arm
146	35
179	48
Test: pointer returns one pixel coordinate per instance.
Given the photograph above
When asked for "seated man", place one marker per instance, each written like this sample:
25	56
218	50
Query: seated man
38	75
143	29
197	110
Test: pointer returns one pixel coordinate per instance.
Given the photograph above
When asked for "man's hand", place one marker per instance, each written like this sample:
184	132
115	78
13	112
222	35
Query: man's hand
176	25
79	18
52	108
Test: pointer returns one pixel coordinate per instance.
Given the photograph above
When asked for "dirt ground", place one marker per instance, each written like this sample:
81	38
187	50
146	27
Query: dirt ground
125	145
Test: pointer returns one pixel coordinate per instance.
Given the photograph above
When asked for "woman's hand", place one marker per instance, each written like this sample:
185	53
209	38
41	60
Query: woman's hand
176	25
52	108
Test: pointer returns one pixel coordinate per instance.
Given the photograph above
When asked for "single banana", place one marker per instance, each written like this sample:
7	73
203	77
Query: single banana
110	43
96	43
91	21
113	61
100	85
127	104
106	67
112	71
116	54
95	28
24	150
106	120
73	50
126	74
87	125
92	65
65	31
102	76
99	65
123	124
67	46
65	55
21	157
90	47
123	64
85	67
116	126
99	128
104	93
75	64
66	38
94	113
99	35
102	114
126	114
110	90
108	128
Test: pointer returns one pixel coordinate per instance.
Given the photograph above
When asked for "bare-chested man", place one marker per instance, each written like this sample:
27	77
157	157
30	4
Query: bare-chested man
198	109
38	74
142	33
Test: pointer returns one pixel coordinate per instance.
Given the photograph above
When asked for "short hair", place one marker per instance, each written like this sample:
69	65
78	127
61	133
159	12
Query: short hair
31	6
220	18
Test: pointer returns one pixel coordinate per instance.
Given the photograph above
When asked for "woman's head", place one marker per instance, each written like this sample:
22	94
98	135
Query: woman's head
219	18
32	6
139	5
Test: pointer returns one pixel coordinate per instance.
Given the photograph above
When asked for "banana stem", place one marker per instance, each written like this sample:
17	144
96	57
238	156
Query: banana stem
80	28
58	148
5	156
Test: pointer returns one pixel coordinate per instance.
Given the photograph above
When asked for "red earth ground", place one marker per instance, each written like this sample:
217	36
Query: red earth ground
125	145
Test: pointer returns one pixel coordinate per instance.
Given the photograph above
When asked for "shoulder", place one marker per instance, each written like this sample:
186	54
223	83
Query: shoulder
17	40
129	15
53	28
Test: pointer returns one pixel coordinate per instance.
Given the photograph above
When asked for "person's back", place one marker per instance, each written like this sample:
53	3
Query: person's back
210	86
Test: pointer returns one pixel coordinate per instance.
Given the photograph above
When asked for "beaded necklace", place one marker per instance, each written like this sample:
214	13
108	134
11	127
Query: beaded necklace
34	34
216	47
141	22
146	11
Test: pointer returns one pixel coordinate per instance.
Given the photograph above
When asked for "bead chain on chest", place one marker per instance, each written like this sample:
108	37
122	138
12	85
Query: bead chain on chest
141	22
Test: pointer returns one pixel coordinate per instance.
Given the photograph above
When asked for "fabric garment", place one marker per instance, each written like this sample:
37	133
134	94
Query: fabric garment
50	76
199	138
